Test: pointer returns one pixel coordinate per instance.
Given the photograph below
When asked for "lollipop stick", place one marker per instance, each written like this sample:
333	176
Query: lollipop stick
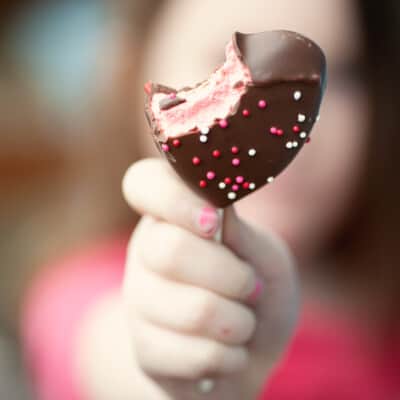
206	385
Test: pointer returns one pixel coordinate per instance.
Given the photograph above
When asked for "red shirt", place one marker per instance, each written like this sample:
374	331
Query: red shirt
331	357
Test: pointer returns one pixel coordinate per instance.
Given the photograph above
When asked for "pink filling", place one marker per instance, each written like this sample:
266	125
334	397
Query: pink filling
214	99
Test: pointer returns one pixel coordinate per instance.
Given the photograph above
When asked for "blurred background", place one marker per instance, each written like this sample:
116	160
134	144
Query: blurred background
66	85
69	72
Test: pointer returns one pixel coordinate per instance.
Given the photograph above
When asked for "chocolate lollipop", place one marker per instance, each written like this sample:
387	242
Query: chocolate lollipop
236	131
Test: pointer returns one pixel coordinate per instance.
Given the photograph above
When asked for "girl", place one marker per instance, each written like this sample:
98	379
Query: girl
187	307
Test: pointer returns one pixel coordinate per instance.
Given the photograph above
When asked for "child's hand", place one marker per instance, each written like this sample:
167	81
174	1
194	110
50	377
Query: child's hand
197	307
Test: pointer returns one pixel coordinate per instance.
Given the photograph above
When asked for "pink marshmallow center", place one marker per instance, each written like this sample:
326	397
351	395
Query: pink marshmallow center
212	100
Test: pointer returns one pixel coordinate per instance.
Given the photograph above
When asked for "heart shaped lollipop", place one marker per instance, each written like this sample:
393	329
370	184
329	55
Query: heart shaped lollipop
236	131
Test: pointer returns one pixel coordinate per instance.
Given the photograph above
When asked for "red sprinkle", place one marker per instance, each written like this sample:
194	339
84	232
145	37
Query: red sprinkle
279	132
246	113
176	143
235	188
245	185
308	140
296	129
235	162
165	147
202	183
216	153
196	161
228	180
235	150
262	104
223	123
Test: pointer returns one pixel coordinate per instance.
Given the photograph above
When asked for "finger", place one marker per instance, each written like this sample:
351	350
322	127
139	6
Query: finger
262	249
167	353
182	256
190	309
151	187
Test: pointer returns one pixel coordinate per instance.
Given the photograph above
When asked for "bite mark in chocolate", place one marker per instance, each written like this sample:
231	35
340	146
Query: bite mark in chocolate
169	102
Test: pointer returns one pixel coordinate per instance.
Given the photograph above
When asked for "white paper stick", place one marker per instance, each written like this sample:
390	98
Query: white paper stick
206	385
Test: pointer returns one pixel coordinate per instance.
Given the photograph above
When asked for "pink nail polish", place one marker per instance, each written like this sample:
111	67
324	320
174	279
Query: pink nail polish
257	292
208	220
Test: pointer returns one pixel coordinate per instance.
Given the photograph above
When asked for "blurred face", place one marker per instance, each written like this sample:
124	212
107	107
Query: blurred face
309	200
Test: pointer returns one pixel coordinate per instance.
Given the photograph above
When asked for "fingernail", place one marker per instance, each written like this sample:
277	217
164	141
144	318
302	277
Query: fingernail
208	220
257	291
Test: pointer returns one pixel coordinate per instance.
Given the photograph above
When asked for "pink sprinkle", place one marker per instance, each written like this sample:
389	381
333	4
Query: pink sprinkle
172	95
235	150
235	188
210	175
279	132
296	129
273	130
239	179
223	123
165	147
246	113
245	185
262	104
235	162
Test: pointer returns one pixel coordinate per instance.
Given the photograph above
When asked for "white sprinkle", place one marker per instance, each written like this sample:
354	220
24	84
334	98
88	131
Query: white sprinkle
297	95
252	186
203	138
222	185
252	152
270	179
289	145
205	130
295	144
231	195
206	385
317	119
303	135
301	117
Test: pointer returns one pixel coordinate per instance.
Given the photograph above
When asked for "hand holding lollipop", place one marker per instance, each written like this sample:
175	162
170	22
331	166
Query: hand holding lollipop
193	298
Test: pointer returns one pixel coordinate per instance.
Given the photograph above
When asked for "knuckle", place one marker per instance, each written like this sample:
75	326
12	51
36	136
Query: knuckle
201	312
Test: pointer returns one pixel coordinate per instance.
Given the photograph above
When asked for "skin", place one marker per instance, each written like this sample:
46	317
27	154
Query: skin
180	315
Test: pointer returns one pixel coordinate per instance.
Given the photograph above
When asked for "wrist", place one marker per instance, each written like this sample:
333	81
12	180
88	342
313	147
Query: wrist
106	365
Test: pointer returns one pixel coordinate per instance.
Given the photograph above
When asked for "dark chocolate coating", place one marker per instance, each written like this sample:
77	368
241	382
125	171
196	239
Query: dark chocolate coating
281	64
280	56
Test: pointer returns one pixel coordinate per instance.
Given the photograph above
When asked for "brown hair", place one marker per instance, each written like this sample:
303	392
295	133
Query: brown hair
370	244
